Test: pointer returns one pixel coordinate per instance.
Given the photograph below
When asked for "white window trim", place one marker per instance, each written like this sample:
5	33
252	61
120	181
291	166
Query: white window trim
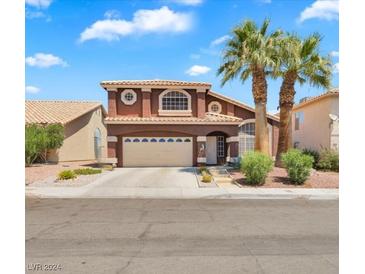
163	112
126	102
217	103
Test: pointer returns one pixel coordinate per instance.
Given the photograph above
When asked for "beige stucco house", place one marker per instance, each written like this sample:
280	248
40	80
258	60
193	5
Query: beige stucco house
315	122
85	131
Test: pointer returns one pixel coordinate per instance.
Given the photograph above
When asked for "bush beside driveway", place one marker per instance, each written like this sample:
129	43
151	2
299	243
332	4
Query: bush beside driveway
278	178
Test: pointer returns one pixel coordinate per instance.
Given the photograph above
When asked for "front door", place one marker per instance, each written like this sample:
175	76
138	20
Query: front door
211	151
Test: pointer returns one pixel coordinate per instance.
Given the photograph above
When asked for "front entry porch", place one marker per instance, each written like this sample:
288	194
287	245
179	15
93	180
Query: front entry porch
217	149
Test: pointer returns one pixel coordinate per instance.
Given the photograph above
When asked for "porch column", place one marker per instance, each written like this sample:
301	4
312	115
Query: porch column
232	149
201	150
112	149
146	102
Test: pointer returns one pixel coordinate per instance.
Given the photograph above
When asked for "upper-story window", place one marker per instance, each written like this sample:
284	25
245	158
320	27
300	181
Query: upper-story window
175	102
215	107
299	119
128	97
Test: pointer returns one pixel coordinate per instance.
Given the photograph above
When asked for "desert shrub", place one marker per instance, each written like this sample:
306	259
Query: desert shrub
256	166
66	175
202	169
298	165
35	142
87	171
207	178
54	137
107	167
328	160
314	154
39	139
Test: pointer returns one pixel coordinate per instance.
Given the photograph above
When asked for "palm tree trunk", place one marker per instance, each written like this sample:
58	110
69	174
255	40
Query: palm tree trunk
286	103
259	90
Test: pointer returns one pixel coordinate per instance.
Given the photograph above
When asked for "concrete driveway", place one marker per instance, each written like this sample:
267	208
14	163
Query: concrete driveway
149	180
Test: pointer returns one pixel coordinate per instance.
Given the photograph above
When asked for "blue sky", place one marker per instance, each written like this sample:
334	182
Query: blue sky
73	45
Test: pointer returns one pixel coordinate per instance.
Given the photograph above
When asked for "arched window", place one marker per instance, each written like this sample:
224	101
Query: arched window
175	102
246	138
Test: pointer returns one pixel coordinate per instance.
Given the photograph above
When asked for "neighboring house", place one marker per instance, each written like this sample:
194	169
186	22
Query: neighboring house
85	131
315	122
177	123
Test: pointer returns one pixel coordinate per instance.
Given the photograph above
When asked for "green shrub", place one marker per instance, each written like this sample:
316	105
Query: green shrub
298	165
39	139
202	169
87	171
66	175
314	154
35	142
107	167
207	178
328	160
256	166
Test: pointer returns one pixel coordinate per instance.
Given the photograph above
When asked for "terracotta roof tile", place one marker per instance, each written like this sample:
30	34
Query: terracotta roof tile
156	82
209	118
329	93
240	104
51	112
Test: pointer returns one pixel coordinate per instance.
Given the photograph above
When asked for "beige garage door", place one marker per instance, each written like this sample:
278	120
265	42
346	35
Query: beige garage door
157	151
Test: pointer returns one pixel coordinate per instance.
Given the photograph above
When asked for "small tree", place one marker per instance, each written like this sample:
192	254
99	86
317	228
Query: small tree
40	139
54	137
35	142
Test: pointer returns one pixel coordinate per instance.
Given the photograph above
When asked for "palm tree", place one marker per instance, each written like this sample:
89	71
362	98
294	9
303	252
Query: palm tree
300	62
251	52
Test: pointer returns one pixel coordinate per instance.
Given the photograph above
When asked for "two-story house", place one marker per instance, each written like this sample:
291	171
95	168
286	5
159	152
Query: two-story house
177	123
315	121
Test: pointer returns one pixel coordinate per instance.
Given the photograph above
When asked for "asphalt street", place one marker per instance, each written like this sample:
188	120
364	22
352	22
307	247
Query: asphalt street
181	236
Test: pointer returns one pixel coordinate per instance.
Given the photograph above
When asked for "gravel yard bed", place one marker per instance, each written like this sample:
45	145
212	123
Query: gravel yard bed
42	172
79	181
278	179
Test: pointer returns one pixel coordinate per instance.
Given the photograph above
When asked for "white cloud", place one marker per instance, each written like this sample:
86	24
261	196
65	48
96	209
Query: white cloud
336	68
219	40
32	89
188	2
43	60
33	14
112	14
321	9
144	21
334	53
38	3
197	70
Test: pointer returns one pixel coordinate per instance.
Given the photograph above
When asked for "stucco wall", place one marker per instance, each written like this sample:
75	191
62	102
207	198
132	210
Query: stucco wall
78	144
316	130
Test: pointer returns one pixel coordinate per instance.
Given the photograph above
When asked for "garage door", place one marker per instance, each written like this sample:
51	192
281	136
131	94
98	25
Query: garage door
157	151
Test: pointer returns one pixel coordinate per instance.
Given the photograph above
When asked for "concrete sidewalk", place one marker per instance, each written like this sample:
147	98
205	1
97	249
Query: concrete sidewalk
178	193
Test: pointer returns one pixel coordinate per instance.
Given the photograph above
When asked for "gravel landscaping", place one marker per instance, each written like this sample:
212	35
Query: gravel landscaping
79	181
46	174
277	178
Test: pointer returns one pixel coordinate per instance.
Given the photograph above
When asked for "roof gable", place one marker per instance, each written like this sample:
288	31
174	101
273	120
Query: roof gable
238	103
53	112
